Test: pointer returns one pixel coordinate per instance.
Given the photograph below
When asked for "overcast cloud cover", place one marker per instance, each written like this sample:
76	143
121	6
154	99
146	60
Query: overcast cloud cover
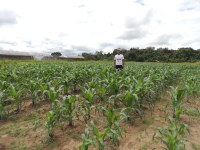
76	26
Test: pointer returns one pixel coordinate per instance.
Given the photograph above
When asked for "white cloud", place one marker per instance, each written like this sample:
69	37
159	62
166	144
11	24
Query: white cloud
90	25
7	17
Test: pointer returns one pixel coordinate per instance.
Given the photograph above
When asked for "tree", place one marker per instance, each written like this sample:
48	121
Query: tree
150	54
56	54
88	56
99	55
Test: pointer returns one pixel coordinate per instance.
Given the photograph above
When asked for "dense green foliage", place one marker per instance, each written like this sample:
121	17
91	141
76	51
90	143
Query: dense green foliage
56	54
150	54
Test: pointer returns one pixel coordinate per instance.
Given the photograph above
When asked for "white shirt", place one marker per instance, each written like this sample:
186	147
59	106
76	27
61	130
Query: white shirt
118	59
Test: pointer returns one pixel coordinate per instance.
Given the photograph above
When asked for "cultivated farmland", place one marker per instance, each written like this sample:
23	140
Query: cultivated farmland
90	105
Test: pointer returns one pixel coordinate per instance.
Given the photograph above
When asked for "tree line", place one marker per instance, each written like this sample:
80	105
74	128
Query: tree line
150	54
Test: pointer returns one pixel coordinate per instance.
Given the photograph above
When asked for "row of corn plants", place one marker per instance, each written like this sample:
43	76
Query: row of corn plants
174	134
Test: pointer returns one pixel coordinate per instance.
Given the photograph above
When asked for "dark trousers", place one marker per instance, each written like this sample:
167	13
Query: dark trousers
119	67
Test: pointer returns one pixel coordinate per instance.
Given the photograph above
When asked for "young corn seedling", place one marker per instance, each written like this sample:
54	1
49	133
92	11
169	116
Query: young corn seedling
132	104
112	127
65	85
102	92
114	85
3	114
4	85
177	98
52	95
44	87
33	89
114	101
68	107
55	82
88	94
17	96
192	86
172	135
75	79
139	90
92	84
13	76
86	140
50	123
99	136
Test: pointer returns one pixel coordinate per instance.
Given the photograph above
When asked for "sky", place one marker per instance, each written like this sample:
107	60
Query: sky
73	27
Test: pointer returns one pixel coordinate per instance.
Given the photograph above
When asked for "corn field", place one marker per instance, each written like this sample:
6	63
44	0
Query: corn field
82	92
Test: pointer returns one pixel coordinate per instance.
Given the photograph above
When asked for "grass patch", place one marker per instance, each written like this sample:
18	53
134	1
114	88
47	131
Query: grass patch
191	111
195	146
38	146
19	133
19	146
144	147
31	117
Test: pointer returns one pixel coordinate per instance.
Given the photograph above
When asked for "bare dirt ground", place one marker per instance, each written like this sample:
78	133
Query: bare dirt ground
26	130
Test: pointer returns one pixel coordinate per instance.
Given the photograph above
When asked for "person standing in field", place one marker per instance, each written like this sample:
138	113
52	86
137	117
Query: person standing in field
119	60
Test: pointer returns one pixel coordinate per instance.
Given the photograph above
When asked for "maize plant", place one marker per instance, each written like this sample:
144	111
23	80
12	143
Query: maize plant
177	98
139	90
88	94
191	83
44	87
112	127
99	136
52	95
76	79
3	114
114	85
65	85
4	85
50	123
55	82
16	96
172	135
68	108
92	84
102	92
86	141
33	89
13	77
131	103
94	137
